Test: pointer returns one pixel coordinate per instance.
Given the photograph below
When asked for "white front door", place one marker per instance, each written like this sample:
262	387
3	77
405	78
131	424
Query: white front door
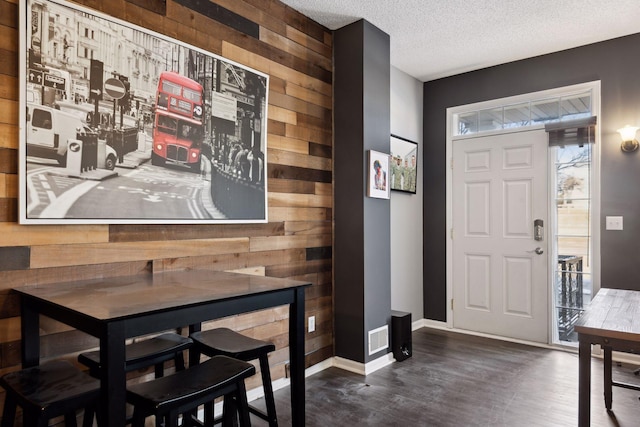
499	269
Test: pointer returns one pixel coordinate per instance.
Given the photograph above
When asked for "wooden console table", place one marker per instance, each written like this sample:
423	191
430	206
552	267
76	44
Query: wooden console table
114	309
612	320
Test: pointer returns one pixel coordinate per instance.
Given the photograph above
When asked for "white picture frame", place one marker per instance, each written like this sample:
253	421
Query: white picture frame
378	175
97	78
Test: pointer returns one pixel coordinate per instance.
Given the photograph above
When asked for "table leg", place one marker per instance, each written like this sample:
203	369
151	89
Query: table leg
608	394
584	383
194	359
113	386
30	343
194	354
296	356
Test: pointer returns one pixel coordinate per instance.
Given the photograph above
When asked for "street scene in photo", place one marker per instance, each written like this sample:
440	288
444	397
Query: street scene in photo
122	125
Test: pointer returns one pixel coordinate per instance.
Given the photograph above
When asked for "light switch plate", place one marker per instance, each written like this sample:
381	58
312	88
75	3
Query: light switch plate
614	223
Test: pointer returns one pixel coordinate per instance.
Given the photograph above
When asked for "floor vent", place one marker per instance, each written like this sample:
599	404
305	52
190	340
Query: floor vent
378	339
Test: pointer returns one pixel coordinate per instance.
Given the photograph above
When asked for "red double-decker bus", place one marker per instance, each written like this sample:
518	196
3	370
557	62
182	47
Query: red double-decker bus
178	130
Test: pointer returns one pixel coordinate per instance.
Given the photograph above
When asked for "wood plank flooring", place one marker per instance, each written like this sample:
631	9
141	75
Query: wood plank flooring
461	380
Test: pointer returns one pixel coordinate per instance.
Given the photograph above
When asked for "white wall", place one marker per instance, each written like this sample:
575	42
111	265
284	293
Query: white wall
406	208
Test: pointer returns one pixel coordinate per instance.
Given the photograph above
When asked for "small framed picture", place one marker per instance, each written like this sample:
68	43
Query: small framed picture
404	165
378	173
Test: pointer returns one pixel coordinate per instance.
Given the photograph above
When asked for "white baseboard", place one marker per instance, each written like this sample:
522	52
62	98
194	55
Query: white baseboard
362	368
314	369
428	323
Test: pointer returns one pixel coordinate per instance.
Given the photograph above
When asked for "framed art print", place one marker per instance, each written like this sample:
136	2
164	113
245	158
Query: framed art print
119	124
404	164
378	175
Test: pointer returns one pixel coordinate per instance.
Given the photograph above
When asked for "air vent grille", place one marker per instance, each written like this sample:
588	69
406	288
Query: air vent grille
378	339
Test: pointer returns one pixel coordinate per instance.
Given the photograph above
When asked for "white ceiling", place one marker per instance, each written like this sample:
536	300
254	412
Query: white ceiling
431	39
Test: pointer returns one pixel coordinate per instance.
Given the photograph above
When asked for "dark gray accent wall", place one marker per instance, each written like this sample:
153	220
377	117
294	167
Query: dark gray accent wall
362	273
616	63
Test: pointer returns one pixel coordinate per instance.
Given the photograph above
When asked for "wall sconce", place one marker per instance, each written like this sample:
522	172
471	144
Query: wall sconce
629	142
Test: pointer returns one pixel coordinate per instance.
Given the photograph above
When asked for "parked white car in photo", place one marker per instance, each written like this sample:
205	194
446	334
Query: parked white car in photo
49	131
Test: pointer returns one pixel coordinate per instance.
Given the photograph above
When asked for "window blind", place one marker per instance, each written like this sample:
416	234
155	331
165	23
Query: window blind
572	132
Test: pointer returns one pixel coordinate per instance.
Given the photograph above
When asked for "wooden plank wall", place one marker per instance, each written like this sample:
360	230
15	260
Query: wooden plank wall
297	241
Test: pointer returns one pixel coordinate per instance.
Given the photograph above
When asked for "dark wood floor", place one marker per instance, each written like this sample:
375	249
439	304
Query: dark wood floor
461	380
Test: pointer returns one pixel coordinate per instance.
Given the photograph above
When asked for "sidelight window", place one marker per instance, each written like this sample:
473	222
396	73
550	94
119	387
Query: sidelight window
571	149
572	223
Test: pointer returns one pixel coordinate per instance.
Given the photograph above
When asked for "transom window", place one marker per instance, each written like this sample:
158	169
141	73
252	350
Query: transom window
529	113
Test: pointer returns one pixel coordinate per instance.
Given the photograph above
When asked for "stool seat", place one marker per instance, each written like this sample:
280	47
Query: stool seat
141	354
47	391
230	343
184	391
224	341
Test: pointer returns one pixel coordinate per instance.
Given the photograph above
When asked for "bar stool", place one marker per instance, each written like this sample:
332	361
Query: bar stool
141	354
224	341
47	391
184	391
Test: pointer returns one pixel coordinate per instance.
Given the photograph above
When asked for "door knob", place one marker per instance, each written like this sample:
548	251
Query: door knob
537	250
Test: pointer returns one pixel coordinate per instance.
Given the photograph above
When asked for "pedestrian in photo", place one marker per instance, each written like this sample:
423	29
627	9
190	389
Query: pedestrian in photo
379	177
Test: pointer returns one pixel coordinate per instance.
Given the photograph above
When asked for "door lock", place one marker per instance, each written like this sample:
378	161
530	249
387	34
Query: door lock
538	230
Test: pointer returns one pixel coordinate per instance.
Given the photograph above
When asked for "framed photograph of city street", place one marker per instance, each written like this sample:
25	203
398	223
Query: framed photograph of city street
404	164
378	175
119	124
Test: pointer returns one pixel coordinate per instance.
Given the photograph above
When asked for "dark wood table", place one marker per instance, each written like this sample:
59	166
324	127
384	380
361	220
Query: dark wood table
612	320
114	309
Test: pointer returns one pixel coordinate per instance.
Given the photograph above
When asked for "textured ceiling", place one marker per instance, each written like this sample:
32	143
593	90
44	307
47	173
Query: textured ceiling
431	39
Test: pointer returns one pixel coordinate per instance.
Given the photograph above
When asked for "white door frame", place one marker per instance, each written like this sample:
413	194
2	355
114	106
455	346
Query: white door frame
551	93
